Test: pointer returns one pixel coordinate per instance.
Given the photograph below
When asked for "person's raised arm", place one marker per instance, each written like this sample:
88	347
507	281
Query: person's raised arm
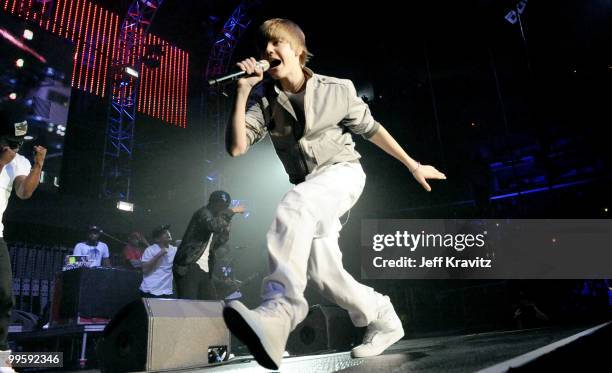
26	185
236	137
152	263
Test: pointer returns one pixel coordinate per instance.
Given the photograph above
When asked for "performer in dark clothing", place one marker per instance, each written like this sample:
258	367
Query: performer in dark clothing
207	231
227	284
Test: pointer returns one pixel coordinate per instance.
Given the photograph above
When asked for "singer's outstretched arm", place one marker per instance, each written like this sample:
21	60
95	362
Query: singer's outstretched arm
383	139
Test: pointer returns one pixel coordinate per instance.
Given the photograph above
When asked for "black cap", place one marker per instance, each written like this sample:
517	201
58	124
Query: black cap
94	228
220	196
157	231
13	126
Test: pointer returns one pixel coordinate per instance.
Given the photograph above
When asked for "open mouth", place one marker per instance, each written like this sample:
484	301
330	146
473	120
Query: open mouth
274	63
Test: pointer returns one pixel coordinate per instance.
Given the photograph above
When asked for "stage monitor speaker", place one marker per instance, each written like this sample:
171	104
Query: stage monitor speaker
325	328
157	334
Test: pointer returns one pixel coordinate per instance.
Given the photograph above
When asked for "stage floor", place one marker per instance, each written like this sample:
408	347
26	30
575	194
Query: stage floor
491	352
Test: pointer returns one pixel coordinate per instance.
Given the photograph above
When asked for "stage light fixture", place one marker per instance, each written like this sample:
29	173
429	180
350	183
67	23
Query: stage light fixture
148	3
28	34
512	16
125	206
13	96
131	72
20	62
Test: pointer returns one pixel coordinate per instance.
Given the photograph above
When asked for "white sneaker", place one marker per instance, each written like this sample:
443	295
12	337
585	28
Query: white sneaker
5	364
263	330
381	333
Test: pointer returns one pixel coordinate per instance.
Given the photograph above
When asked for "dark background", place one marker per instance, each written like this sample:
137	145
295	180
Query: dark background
518	124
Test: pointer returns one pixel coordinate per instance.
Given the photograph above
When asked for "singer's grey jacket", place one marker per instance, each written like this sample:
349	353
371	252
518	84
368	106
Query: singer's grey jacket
332	110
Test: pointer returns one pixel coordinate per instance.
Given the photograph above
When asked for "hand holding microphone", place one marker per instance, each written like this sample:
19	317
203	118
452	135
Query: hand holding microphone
254	71
251	73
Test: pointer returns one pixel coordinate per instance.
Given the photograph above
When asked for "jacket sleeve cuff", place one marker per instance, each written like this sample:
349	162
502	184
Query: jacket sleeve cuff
367	135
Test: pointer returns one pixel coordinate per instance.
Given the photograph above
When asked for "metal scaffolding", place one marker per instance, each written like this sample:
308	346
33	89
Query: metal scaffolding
124	73
216	106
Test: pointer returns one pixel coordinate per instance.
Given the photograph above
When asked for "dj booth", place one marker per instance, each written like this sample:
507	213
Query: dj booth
84	301
92	295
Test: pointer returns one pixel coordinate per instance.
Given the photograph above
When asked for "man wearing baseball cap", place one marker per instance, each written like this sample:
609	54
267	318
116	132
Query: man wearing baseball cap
93	248
207	231
15	173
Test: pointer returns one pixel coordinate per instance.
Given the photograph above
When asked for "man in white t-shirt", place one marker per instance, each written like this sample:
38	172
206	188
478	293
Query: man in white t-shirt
157	261
15	173
94	249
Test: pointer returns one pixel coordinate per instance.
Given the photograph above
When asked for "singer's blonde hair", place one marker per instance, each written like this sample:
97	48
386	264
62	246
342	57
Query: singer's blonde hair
280	29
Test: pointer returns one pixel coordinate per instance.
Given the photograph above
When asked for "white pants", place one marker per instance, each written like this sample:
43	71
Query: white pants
303	243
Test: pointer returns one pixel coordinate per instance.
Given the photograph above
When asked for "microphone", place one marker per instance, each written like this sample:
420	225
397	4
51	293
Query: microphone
263	64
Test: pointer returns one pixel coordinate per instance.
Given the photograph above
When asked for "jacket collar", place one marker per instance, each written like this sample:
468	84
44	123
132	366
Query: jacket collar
312	80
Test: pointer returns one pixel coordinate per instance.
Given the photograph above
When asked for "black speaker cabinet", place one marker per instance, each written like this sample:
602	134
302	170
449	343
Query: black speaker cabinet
156	334
325	328
92	295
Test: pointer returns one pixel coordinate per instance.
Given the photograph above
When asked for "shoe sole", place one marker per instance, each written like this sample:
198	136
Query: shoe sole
243	331
400	335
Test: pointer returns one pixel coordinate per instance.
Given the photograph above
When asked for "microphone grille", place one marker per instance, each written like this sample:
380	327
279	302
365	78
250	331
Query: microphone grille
264	64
